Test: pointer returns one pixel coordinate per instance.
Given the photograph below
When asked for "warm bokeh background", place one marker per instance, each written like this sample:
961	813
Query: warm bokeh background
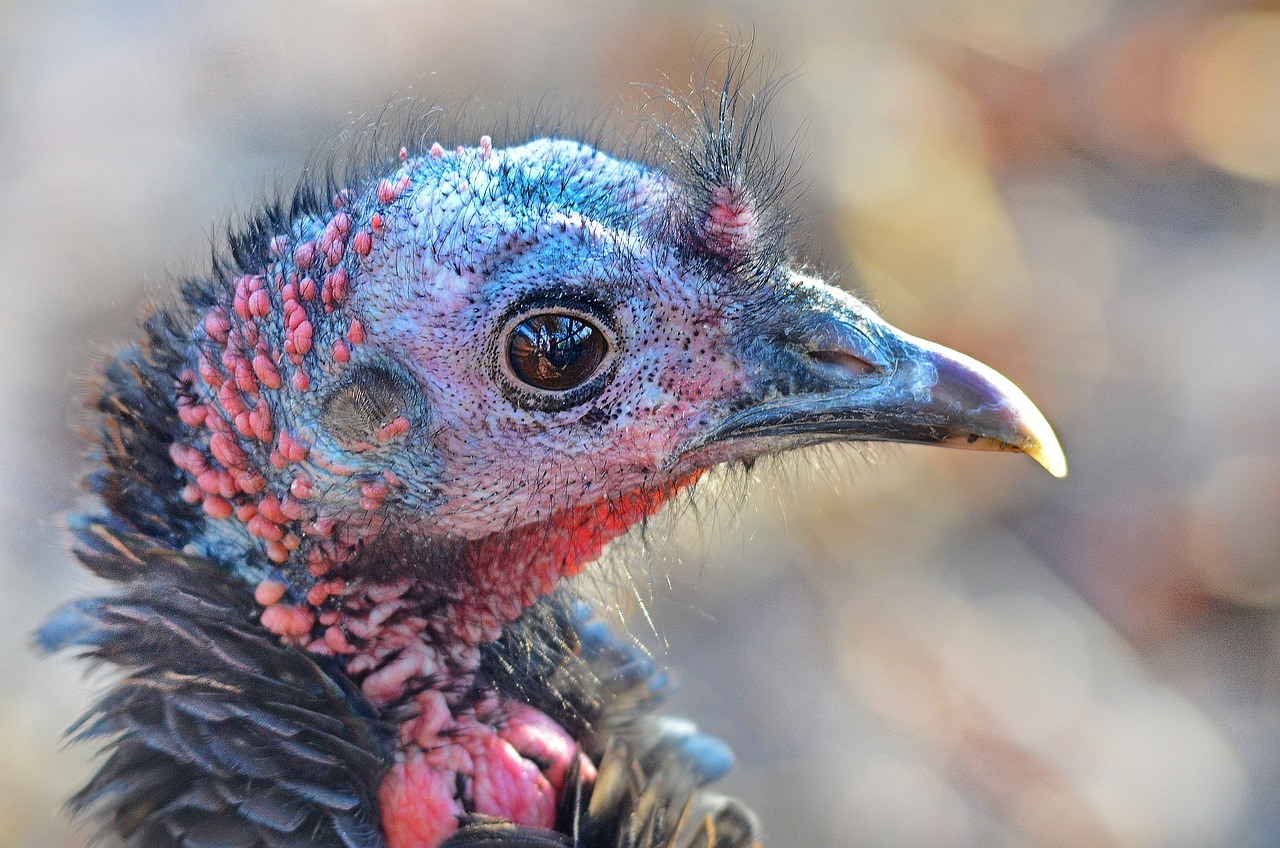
929	648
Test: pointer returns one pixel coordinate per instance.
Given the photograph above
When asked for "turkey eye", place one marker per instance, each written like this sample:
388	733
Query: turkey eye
556	351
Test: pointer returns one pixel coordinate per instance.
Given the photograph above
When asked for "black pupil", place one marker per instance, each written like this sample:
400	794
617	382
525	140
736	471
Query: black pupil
555	351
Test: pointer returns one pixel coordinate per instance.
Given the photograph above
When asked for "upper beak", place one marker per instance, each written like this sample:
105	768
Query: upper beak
981	409
841	373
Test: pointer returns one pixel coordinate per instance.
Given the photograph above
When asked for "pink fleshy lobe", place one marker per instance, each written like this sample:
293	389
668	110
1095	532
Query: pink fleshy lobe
506	785
269	591
288	621
418	806
502	767
731	224
433	718
536	737
388	682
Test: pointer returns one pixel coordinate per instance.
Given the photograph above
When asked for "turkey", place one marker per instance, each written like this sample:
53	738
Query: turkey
341	478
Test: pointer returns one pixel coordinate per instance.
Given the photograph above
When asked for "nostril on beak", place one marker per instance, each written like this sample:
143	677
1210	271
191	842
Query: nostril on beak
841	363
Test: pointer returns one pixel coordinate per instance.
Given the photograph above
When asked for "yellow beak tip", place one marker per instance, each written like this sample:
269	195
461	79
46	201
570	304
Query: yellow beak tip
1050	457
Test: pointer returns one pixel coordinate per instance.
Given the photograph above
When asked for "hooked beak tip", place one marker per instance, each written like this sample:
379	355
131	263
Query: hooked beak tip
1005	418
1048	453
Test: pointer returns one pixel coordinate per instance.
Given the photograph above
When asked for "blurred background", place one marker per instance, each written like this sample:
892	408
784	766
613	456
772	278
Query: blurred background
905	647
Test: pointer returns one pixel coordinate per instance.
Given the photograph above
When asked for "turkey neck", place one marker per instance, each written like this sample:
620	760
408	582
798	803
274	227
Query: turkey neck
408	620
403	610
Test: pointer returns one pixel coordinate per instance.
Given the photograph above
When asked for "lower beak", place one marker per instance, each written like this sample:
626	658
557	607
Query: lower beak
864	380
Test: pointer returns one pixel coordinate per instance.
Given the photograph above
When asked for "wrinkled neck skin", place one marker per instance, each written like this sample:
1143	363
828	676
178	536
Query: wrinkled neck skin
414	646
408	622
403	613
410	635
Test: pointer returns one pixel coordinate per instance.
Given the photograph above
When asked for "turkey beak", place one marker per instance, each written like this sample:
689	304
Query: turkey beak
837	372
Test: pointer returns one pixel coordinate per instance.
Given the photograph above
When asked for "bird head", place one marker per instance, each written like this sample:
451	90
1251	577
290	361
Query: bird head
505	358
403	409
554	349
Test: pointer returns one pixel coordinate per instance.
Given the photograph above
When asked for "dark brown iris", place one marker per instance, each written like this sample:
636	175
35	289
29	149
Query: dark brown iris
556	351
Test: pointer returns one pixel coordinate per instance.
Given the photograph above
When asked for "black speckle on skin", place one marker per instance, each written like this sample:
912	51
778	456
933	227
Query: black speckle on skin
595	417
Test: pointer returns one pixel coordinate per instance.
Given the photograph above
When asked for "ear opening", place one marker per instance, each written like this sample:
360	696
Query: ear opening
374	404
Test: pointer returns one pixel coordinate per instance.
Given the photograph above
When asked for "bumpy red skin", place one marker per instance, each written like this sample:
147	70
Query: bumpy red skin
513	757
270	478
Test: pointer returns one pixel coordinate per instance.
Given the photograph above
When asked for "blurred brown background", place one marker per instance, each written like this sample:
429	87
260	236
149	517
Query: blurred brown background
906	648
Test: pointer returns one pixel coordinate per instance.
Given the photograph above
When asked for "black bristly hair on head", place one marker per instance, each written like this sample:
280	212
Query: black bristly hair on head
715	140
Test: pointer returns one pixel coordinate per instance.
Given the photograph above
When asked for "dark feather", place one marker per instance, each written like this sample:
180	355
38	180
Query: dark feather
217	721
